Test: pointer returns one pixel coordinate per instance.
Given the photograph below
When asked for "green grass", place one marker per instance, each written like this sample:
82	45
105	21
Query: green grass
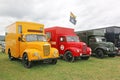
92	69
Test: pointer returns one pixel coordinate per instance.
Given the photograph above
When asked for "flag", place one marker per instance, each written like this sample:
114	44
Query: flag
72	18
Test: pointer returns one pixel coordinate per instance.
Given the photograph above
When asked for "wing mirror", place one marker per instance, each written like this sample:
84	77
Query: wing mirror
22	38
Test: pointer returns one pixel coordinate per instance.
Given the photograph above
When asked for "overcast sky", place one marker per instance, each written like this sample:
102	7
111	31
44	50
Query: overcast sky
90	14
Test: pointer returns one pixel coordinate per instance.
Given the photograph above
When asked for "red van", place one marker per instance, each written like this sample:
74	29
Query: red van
67	43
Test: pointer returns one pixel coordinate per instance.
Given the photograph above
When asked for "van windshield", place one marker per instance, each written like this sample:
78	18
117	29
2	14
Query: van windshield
72	39
100	39
35	37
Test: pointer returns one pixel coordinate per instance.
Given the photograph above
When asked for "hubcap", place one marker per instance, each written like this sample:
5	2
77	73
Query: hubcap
69	57
25	60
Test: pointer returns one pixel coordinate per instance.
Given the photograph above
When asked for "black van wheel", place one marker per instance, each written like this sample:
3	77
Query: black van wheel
9	56
26	62
53	61
99	53
68	56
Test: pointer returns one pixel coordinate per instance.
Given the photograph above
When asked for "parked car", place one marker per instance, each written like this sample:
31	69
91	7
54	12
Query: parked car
3	47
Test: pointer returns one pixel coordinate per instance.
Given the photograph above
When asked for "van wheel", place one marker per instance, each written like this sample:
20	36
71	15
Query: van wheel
9	56
99	53
85	58
68	56
53	61
26	62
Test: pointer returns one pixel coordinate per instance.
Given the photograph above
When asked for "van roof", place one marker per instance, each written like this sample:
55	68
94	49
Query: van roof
61	30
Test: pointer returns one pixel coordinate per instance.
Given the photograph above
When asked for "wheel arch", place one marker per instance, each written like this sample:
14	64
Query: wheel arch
72	50
101	48
8	50
24	53
69	59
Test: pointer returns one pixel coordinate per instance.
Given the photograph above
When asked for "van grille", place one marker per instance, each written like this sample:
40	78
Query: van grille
84	48
46	49
112	48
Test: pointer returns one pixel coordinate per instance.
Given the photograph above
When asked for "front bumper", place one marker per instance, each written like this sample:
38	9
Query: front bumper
118	54
84	55
47	59
112	53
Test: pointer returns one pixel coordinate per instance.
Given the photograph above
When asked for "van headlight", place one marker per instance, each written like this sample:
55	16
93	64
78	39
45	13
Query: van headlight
78	50
108	49
116	48
55	52
35	54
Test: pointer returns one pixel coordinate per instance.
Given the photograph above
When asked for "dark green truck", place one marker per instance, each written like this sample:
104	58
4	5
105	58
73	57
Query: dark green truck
96	40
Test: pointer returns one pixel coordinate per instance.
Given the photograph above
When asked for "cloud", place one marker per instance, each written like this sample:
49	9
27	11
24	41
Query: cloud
90	13
99	14
17	9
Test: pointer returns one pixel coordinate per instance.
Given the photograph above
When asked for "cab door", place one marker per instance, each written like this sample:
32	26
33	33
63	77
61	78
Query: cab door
92	43
16	54
62	44
21	43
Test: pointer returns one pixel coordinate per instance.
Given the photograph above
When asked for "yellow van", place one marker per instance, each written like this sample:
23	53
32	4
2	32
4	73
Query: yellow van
27	41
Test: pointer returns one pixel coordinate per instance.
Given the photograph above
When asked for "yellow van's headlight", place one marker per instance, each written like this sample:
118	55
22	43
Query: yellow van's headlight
55	53
35	53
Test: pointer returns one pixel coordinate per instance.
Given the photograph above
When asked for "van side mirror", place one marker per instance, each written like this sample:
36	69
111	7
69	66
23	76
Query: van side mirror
22	38
48	36
19	38
48	39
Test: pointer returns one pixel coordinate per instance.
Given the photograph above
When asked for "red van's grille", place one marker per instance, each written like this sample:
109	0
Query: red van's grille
46	49
84	48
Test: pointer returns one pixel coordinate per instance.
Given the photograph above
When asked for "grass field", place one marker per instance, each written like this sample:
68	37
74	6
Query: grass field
92	69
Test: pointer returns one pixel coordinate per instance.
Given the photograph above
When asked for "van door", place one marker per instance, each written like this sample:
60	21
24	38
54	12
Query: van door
92	43
22	42
62	44
18	35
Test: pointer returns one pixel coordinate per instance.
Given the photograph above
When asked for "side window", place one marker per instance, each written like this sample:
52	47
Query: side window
19	28
62	39
91	40
48	34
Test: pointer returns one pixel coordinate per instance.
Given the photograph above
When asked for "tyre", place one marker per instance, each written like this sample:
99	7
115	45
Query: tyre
9	56
85	58
53	61
68	56
26	62
61	57
99	53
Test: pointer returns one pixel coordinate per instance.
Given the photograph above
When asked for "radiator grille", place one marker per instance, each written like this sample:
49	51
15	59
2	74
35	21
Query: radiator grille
112	48
46	49
84	48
